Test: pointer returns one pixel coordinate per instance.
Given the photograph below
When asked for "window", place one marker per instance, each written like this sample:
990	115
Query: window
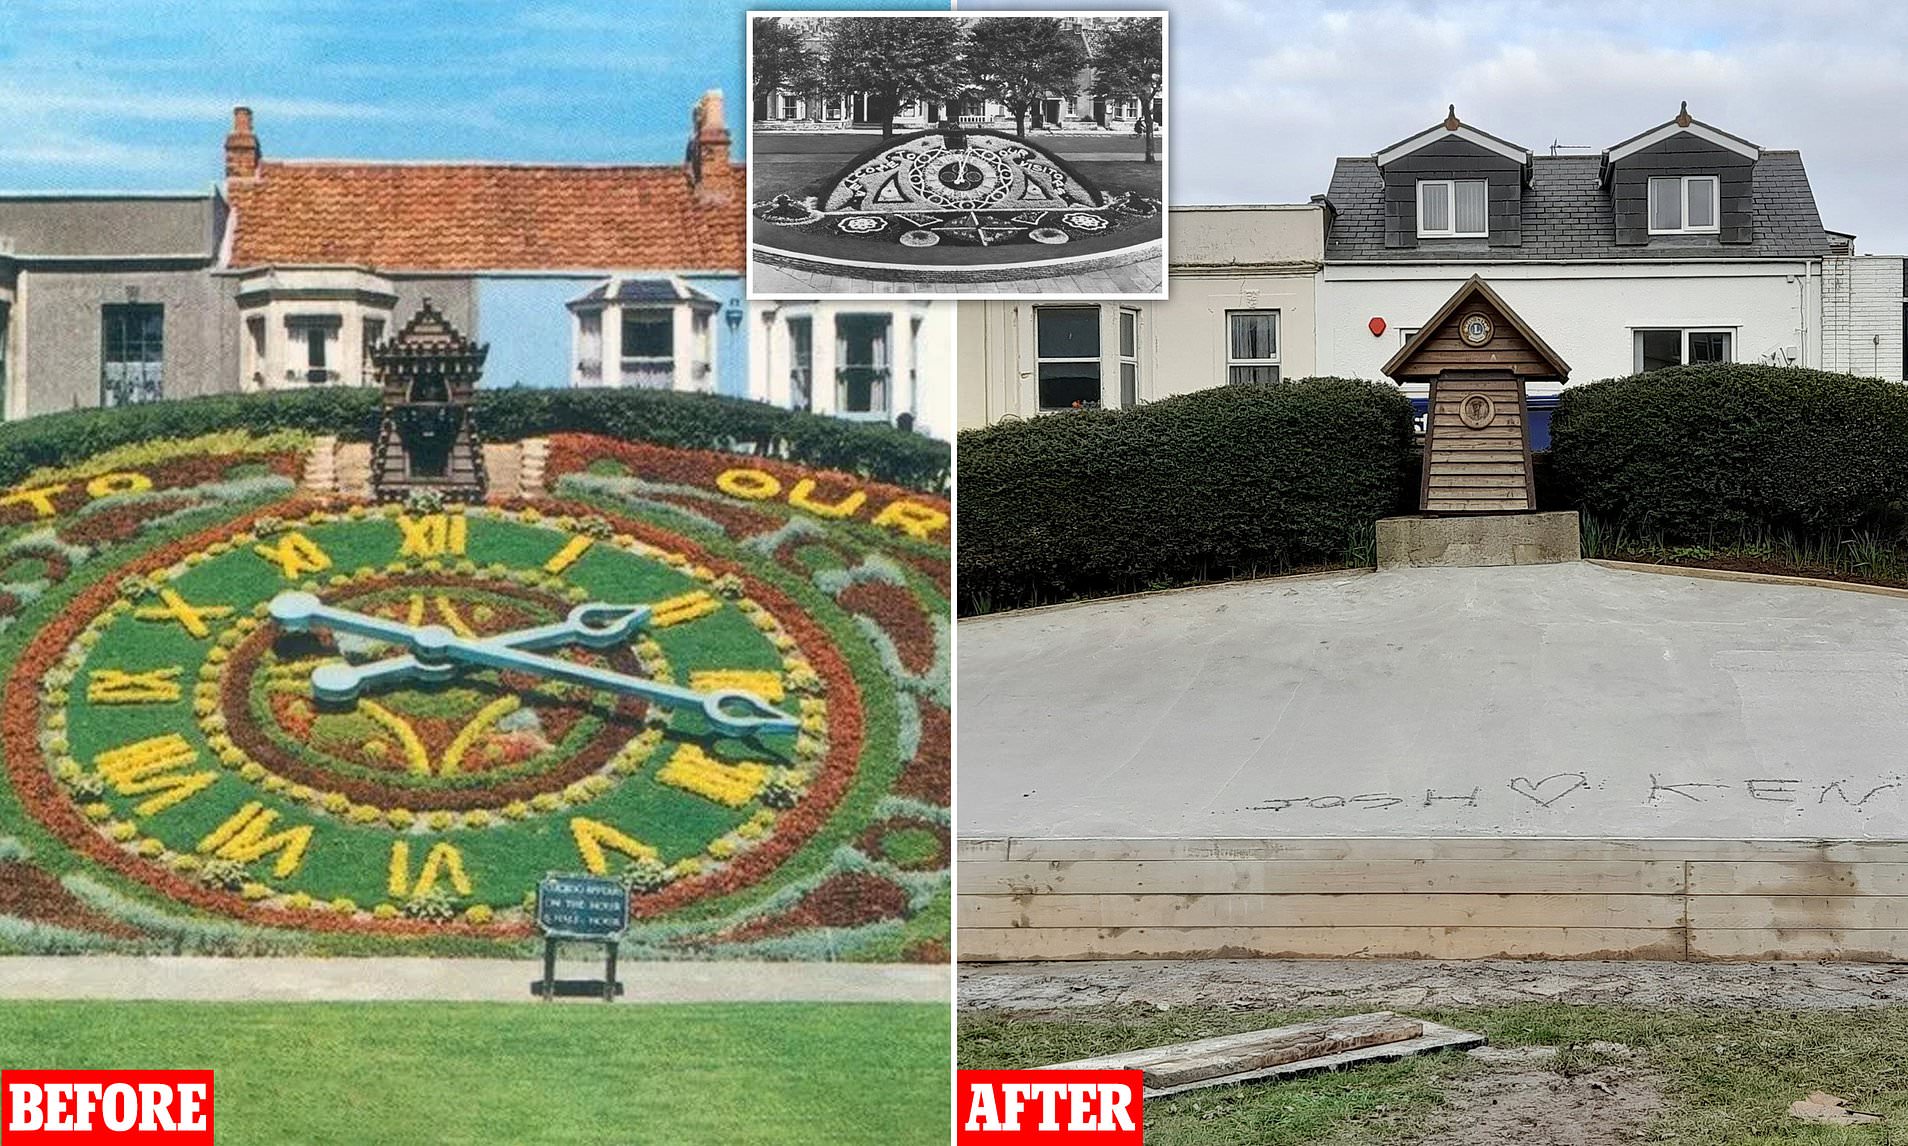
1252	346
1129	359
1656	349
1067	356
1683	205
788	107
255	349
649	349
834	107
133	353
589	348
801	363
316	332
372	334
862	364
1453	209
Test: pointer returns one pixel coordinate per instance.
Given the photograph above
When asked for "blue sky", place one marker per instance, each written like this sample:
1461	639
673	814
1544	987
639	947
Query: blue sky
137	94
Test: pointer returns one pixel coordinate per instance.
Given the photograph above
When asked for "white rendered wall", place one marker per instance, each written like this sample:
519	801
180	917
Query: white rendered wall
1588	313
921	358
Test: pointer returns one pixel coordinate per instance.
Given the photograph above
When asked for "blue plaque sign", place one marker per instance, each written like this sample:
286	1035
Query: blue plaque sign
582	907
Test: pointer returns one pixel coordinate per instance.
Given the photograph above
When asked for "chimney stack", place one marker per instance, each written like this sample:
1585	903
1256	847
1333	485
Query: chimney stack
710	171
241	147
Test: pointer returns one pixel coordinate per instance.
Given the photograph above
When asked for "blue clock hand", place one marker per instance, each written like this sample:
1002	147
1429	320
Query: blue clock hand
436	650
595	625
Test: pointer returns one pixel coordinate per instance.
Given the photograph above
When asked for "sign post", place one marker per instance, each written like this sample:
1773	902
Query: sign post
580	909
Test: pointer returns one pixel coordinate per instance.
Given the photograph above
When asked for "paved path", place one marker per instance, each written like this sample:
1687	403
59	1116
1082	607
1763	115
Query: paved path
1404	984
463	980
1561	700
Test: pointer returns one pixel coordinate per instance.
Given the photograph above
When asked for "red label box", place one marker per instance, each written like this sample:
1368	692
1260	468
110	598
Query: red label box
1048	1108
120	1107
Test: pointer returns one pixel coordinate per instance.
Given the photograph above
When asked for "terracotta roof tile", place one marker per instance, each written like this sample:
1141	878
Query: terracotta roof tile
472	216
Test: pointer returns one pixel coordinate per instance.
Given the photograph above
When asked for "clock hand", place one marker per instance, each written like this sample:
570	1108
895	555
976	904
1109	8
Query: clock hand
435	650
595	624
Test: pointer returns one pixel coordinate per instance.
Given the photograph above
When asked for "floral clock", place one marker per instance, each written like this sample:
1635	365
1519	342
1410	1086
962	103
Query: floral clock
339	716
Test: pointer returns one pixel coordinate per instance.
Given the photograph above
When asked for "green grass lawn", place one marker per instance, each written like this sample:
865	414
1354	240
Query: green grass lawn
1728	1076
444	1073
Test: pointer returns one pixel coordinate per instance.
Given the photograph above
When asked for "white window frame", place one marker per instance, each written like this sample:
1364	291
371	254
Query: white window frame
1278	342
1099	360
1682	205
1683	335
1126	359
1450	200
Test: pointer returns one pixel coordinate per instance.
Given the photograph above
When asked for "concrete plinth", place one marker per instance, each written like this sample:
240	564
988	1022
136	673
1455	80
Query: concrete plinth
1477	540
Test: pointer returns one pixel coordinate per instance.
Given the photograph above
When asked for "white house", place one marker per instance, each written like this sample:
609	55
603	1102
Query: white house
863	360
1683	244
1242	309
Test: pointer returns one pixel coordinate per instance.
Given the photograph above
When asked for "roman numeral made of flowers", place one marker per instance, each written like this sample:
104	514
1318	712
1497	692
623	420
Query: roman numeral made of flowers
295	555
157	765
433	535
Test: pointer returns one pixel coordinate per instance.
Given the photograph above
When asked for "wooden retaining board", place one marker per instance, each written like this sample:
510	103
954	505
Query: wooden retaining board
1460	898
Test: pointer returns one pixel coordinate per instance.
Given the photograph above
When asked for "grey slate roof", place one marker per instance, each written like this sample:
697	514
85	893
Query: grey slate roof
1567	214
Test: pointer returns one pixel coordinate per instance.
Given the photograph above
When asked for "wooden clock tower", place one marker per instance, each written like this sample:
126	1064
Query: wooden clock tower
1477	355
428	437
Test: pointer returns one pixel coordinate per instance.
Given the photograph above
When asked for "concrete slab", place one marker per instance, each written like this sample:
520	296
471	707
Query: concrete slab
461	980
1554	700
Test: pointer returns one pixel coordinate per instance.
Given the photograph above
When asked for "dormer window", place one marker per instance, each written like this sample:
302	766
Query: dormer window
1453	209
1684	205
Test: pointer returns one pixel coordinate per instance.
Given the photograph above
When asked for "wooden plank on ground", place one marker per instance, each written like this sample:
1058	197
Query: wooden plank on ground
1180	1064
1066	943
1354	910
1321	877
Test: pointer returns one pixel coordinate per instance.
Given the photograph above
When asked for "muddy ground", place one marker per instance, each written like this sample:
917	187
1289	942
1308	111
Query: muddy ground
1054	988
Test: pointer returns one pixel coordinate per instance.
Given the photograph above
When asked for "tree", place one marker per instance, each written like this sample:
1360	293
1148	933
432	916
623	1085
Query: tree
1019	59
1128	64
892	58
783	62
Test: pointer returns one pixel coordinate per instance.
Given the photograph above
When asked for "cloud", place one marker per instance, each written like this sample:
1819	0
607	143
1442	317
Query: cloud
1265	95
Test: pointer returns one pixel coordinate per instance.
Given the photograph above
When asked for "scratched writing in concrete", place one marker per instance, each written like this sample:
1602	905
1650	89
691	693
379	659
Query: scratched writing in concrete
1559	791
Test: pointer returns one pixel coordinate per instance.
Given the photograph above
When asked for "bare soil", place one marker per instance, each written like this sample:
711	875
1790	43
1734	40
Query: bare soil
1533	1106
1052	989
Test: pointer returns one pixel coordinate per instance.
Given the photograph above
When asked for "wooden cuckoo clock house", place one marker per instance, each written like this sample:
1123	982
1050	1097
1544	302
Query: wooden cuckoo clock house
428	437
1477	356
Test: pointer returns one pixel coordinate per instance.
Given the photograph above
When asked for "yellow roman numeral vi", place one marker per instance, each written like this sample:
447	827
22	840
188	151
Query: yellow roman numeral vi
433	535
295	555
116	686
154	765
442	860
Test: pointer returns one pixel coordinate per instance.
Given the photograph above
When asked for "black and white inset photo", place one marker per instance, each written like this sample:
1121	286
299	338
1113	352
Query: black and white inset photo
957	155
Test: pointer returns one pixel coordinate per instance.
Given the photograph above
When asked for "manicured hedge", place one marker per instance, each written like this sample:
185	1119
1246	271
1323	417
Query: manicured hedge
1216	483
1716	452
693	421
